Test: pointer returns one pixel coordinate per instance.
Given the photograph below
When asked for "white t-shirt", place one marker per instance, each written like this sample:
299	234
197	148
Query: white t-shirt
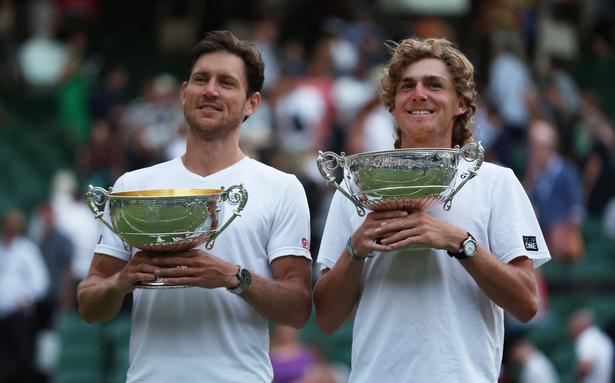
24	278
420	316
538	369
595	347
211	335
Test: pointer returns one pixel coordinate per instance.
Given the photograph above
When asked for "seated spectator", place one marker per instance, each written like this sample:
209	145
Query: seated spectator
554	187
291	360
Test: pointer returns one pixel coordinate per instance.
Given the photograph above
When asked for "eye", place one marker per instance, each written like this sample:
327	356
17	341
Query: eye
198	79
435	85
227	82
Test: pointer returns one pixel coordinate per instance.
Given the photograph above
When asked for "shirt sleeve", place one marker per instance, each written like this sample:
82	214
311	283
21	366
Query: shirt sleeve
513	228
336	232
290	230
110	243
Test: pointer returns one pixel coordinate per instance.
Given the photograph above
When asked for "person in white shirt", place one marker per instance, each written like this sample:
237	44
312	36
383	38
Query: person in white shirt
433	313
24	282
593	348
260	267
535	367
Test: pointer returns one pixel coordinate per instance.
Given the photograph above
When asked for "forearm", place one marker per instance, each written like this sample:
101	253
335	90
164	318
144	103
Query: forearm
337	292
99	298
282	302
512	288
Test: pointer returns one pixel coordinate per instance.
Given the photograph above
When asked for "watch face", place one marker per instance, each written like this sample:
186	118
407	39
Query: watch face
469	248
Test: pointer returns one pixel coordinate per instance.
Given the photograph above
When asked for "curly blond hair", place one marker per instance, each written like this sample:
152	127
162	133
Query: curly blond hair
460	68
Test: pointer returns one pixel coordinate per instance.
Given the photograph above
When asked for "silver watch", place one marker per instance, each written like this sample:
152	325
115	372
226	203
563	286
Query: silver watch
245	278
467	249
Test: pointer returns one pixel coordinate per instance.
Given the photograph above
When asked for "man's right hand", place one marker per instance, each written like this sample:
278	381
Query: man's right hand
365	239
138	269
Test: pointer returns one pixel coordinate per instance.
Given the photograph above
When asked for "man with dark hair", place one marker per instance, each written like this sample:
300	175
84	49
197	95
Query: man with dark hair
259	268
430	287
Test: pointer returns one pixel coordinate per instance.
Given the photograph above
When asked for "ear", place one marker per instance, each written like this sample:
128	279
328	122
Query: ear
252	103
461	108
183	92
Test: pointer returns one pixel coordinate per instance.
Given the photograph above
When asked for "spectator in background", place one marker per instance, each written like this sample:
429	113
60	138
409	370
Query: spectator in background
57	251
291	360
75	220
598	168
535	366
109	98
42	58
24	281
101	159
554	187
150	122
510	83
73	108
593	348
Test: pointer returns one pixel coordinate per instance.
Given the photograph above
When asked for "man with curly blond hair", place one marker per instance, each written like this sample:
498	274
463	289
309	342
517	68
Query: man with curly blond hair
430	287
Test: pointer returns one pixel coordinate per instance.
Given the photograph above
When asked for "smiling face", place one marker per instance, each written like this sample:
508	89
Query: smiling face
426	104
215	97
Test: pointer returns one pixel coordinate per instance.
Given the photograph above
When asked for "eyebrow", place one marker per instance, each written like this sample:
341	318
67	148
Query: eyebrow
224	76
424	78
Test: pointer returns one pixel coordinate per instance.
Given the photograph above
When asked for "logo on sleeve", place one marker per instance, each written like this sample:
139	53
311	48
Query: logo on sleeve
305	243
530	243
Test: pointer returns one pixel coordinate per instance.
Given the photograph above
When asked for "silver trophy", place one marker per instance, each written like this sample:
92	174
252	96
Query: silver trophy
401	179
168	220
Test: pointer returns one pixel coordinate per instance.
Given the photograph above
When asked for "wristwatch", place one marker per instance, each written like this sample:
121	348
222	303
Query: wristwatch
245	278
467	248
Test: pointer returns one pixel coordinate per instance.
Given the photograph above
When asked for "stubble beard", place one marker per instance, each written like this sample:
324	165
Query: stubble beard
215	133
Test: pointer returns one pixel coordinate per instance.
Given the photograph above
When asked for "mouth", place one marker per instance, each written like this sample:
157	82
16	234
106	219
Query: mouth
421	112
210	108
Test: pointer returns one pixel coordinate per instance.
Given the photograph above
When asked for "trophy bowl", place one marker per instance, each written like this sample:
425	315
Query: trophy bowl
166	220
401	179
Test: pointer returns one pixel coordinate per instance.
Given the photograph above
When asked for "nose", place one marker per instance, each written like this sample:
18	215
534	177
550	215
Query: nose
419	92
211	88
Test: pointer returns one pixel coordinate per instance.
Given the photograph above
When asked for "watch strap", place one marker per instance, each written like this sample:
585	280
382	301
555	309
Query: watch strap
245	278
460	254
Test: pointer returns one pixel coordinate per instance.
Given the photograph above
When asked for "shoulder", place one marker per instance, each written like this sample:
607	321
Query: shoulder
150	170
268	175
492	169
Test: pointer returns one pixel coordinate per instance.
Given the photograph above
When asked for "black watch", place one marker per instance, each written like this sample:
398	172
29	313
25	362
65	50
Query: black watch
467	248
245	278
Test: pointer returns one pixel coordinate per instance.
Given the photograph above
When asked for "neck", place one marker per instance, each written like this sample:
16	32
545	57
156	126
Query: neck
207	157
426	141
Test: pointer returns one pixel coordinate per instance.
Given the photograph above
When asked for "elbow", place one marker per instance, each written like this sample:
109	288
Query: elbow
324	322
85	312
302	315
528	311
326	326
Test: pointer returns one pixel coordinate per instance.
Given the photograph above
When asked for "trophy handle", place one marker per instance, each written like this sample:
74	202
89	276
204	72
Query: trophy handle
97	198
327	162
236	195
472	152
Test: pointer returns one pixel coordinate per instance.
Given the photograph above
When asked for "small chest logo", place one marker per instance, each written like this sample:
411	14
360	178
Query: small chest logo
305	243
530	243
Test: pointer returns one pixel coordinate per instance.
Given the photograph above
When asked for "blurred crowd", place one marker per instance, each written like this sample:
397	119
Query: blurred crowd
547	107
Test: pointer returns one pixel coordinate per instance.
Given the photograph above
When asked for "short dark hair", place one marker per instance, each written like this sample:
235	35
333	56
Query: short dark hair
225	41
